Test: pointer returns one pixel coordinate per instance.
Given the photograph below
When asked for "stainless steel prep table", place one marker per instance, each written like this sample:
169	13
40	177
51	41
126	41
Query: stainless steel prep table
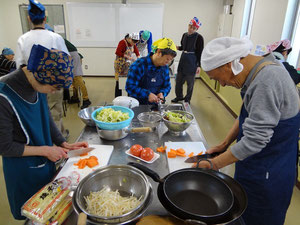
152	140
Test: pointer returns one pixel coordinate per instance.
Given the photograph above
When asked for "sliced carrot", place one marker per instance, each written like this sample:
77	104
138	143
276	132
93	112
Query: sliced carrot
92	161
93	157
161	149
173	150
179	154
84	154
180	150
171	154
191	154
200	153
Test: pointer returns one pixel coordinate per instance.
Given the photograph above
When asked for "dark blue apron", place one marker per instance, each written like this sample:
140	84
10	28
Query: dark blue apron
152	80
24	176
188	60
269	176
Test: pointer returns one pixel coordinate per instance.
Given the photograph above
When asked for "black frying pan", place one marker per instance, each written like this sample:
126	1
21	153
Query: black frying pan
238	208
191	192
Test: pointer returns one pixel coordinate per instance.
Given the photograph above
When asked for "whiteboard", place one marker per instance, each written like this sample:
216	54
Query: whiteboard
92	24
105	24
136	17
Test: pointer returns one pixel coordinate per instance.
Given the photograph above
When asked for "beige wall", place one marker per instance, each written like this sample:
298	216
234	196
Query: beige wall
268	21
177	14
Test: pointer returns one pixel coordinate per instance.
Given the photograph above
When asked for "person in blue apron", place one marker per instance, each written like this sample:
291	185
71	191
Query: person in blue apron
189	65
27	131
148	78
266	130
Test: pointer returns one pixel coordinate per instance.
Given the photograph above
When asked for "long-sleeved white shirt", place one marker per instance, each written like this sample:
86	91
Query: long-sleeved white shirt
42	37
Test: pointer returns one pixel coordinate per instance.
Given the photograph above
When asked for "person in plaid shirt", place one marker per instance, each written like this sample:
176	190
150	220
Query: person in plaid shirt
148	78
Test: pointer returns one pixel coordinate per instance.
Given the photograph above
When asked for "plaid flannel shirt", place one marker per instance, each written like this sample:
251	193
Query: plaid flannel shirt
136	73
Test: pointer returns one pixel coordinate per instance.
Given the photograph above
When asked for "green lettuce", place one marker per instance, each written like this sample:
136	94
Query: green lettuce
110	115
176	117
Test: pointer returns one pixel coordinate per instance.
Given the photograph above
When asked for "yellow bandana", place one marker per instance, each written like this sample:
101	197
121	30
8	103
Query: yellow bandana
163	43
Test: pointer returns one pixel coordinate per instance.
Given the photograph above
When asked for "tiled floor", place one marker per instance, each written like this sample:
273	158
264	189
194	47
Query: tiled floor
214	121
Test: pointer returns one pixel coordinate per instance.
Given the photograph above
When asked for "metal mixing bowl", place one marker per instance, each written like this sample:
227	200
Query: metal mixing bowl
126	179
149	119
178	127
86	115
94	221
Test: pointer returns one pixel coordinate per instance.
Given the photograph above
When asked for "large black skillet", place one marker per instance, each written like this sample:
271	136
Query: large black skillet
238	208
191	192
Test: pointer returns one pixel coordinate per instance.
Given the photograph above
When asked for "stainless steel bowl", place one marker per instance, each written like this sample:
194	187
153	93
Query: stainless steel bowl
149	119
112	135
94	221
126	179
86	115
178	127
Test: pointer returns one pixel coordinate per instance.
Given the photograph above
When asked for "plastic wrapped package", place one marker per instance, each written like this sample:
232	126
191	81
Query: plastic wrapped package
43	205
62	212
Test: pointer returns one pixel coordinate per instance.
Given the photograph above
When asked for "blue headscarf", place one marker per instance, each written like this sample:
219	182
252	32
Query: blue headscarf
52	67
7	51
40	14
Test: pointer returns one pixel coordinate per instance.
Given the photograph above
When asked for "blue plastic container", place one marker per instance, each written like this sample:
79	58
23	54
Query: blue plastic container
117	125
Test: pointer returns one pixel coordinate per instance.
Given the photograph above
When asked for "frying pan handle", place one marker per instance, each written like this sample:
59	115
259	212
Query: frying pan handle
82	219
194	222
147	171
211	165
141	129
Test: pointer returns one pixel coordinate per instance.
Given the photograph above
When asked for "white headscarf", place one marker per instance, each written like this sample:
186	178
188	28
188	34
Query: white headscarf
223	50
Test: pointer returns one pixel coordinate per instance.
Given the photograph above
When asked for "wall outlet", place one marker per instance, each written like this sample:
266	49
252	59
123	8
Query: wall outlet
86	67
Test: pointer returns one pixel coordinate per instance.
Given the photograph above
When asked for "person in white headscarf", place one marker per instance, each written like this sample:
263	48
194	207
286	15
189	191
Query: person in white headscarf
266	130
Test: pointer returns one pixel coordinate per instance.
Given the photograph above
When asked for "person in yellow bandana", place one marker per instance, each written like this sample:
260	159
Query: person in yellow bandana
148	78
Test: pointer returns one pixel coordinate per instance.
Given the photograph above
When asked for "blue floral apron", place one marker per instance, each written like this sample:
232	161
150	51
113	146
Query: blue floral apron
269	176
24	176
152	80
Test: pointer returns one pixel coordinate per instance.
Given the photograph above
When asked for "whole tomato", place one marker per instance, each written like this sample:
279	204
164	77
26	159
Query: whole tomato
147	154
136	150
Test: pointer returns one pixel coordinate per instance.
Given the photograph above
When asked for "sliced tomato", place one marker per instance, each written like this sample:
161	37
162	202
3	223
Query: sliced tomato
136	150
147	154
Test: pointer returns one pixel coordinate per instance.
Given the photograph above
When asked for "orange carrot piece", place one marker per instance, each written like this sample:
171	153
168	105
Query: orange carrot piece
180	150
200	153
191	154
171	154
92	163
93	157
84	154
179	154
173	150
161	149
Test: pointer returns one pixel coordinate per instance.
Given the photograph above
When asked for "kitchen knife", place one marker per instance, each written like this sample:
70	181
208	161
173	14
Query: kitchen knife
196	158
78	152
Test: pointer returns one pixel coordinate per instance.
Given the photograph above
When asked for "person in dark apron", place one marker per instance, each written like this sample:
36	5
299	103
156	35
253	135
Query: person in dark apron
189	65
28	135
148	78
266	131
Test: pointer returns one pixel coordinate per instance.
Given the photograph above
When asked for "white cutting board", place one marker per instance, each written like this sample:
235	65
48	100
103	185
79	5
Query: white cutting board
102	152
189	147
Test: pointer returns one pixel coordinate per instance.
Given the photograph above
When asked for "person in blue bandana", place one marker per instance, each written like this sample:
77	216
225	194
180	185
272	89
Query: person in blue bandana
48	39
6	61
30	142
148	78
